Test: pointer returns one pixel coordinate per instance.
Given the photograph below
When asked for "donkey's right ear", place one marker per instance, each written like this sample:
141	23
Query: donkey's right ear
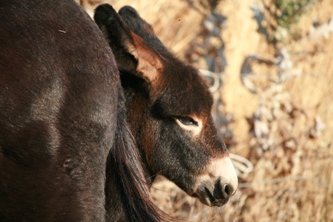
132	53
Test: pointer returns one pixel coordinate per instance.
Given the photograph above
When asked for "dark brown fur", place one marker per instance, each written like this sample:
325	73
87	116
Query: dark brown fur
65	149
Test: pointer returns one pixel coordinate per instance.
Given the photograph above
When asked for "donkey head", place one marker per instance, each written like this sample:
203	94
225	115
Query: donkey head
169	110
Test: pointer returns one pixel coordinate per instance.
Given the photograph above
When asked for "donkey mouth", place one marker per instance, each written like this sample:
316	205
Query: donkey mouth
211	198
215	193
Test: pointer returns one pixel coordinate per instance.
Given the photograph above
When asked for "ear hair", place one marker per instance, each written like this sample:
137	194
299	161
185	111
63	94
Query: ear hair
149	63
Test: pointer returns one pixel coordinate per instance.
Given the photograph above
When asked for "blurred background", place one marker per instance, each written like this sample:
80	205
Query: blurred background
270	66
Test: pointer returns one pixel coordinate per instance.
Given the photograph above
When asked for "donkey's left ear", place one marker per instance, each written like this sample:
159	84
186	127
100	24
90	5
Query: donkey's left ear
132	53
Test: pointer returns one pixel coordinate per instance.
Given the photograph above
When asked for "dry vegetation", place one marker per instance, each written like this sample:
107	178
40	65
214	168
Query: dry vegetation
278	113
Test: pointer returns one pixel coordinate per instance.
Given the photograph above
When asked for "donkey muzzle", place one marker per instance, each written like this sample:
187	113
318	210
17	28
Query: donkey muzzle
218	183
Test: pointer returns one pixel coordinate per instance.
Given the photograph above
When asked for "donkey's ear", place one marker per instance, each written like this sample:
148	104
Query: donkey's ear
132	53
138	25
142	28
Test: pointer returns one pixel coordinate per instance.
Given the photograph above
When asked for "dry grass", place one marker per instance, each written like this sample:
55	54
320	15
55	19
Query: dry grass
292	155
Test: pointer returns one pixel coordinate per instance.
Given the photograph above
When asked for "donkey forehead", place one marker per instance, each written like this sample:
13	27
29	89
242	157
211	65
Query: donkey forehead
183	92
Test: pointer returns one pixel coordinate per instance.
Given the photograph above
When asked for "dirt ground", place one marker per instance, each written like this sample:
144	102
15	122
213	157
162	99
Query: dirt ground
284	128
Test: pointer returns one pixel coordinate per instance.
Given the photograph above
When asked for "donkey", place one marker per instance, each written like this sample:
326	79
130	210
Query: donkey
168	109
65	147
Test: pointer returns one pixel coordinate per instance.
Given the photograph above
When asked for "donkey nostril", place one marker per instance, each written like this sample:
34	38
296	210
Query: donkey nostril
228	190
223	190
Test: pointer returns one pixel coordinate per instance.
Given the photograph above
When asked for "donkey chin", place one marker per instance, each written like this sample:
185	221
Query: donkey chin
217	184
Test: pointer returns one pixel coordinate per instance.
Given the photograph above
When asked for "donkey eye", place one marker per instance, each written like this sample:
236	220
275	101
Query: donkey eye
188	121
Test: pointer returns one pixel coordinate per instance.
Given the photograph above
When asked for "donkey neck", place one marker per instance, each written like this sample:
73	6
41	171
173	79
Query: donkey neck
137	106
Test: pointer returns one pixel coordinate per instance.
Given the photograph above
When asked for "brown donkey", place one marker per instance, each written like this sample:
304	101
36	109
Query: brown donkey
65	147
168	110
